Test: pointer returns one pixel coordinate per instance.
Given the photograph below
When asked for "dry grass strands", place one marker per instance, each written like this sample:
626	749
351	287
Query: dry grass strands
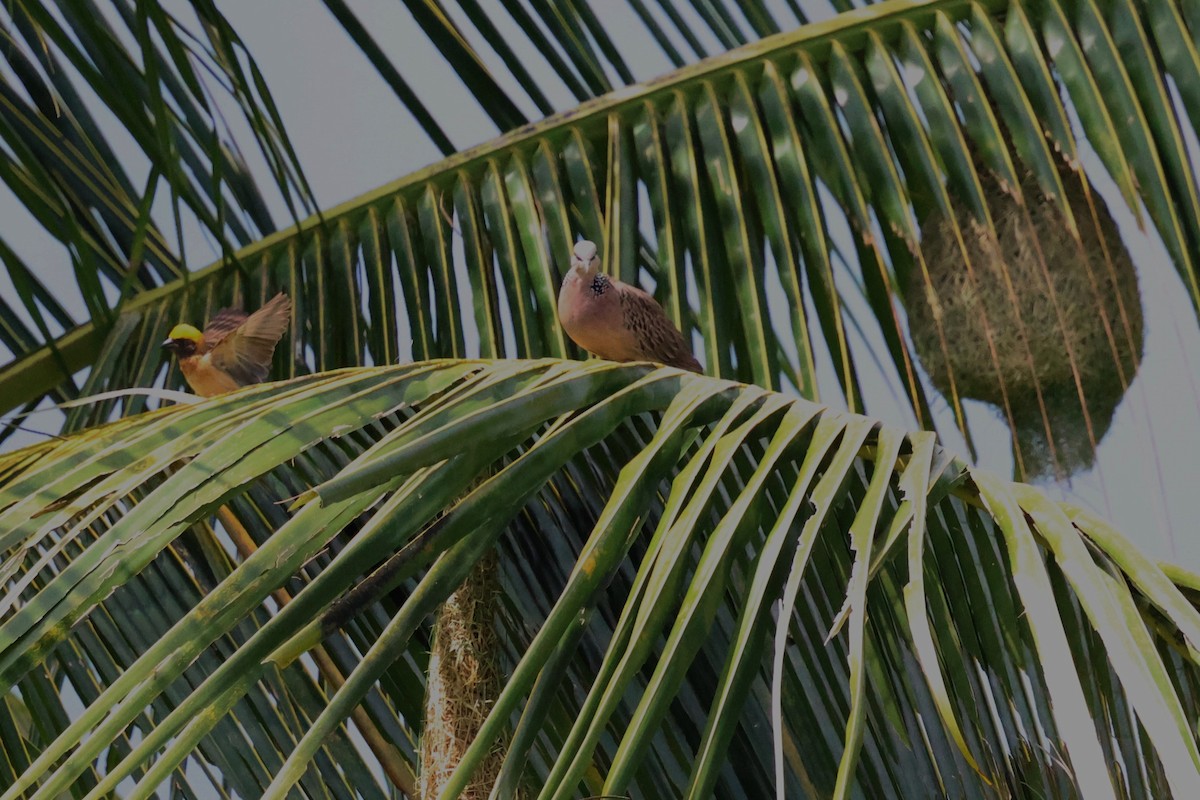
1063	315
464	681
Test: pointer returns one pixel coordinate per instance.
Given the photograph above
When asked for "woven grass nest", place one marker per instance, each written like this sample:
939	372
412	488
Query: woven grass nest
1027	308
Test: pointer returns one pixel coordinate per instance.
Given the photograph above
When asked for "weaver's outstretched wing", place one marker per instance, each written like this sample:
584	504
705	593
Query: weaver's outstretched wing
245	349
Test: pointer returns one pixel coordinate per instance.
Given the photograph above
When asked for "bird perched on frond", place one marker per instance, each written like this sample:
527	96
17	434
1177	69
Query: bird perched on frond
235	348
614	320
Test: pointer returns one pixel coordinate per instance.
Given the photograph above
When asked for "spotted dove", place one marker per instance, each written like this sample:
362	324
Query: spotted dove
614	320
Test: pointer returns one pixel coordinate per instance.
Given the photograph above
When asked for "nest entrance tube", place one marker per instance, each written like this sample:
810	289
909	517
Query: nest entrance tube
464	680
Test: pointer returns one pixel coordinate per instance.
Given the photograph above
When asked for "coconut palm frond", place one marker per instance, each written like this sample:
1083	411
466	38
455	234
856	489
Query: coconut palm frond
706	588
838	600
164	78
855	168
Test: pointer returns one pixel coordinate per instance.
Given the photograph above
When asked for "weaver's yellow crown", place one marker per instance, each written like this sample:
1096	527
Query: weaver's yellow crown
184	331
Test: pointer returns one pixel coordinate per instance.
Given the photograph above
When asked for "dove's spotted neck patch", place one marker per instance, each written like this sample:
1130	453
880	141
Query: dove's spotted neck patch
600	284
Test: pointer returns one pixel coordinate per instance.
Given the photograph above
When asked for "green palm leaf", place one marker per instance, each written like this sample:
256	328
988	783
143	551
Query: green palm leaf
709	587
716	496
733	157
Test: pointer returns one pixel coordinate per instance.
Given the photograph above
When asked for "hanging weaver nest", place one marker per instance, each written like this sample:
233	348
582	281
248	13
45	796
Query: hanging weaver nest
1027	309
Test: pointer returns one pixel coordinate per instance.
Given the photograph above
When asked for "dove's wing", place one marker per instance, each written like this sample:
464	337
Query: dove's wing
244	345
657	337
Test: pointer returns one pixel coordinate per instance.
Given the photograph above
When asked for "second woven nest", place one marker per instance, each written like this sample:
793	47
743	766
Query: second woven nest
1027	309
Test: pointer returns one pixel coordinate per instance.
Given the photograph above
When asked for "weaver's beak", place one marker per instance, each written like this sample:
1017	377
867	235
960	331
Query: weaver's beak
169	344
